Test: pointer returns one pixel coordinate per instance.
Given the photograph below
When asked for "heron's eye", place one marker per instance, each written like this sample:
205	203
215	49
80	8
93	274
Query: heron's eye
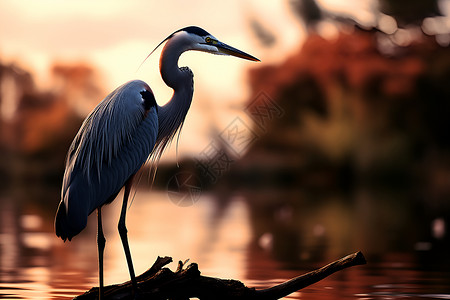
208	40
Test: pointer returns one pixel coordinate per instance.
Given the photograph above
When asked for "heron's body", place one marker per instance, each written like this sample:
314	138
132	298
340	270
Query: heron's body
121	134
101	159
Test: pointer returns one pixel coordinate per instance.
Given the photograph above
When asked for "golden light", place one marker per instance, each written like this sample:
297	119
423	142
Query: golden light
115	37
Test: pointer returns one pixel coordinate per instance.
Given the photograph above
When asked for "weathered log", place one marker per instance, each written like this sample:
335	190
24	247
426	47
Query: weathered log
161	283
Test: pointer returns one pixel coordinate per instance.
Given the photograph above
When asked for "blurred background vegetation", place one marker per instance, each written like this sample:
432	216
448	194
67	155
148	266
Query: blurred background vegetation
365	120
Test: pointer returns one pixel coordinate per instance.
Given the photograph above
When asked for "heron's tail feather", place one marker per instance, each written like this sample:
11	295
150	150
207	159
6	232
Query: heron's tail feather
62	228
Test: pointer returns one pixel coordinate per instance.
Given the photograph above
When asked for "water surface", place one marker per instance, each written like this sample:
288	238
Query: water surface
242	236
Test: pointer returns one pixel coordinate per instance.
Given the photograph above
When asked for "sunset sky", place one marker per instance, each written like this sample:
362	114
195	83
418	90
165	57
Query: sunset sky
116	36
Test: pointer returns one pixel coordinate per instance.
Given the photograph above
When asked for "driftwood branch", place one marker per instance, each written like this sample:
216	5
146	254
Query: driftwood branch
161	283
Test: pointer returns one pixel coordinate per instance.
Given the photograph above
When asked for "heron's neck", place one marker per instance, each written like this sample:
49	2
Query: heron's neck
171	115
172	75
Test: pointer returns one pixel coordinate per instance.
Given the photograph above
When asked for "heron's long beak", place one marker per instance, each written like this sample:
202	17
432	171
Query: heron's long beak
228	50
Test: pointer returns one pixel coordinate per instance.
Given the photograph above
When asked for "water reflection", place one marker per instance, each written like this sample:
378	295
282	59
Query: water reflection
260	238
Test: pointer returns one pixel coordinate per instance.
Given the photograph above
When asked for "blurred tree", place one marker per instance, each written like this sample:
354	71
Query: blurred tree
77	84
408	12
265	36
349	107
36	127
308	11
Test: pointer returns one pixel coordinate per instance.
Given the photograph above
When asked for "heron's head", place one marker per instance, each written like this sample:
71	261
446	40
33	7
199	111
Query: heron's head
200	40
196	38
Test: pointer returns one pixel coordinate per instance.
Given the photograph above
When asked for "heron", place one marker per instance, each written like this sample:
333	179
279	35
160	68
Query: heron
124	131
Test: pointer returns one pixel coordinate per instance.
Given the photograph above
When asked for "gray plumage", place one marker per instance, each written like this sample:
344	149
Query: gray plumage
112	144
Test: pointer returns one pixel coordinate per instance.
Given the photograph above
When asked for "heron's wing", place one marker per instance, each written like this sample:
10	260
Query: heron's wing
112	144
108	127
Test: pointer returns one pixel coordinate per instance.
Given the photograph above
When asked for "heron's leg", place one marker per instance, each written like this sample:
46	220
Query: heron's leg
101	241
123	233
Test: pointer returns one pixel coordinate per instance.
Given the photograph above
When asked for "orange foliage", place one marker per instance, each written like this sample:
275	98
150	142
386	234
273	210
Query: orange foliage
40	128
347	105
352	59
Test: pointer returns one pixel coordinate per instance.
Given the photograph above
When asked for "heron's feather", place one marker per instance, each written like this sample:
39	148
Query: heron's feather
107	128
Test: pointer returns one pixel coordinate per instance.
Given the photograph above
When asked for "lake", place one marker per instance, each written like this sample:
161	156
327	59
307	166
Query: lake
260	238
